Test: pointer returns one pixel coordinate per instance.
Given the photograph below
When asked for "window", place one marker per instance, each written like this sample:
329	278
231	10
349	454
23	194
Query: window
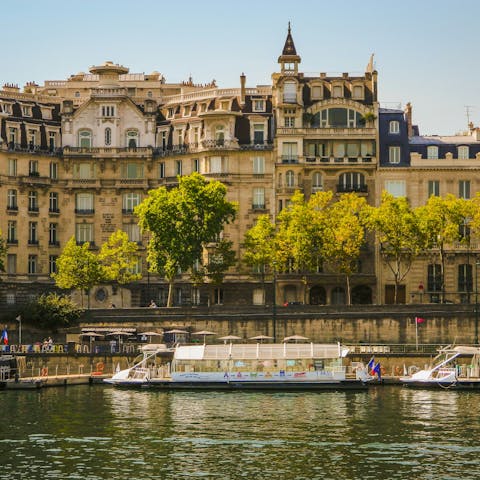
289	122
394	127
224	105
463	152
432	152
290	92
178	167
132	138
32	233
394	154
289	152
397	188
7	108
11	264
258	296
12	231
317	92
32	264
12	200
84	171
195	296
170	112
465	278
258	165
337	91
215	164
130	201
161	170
186	110
12	167
258	133
53	202
53	170
33	168
108	136
290	179
137	267
163	140
464	189
203	107
108	110
258	198
195	136
12	136
195	165
133	232
33	201
258	105
352	182
32	138
84	233
84	203
26	110
52	264
51	141
84	139
77	94
434	281
132	171
464	230
53	234
317	182
433	188
219	135
357	92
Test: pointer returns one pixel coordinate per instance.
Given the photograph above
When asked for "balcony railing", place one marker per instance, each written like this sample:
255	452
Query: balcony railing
219	144
84	211
30	148
290	159
12	241
32	241
54	243
12	208
33	209
53	210
347	188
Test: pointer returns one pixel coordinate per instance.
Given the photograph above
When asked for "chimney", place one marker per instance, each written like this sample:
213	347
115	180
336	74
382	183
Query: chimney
408	117
243	80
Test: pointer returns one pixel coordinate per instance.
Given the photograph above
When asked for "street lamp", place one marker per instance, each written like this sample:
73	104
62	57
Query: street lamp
19	320
274	302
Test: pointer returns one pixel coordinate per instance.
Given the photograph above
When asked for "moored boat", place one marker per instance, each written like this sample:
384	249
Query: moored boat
286	366
456	367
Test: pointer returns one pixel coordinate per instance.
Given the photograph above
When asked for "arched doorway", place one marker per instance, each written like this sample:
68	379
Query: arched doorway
338	296
361	295
318	295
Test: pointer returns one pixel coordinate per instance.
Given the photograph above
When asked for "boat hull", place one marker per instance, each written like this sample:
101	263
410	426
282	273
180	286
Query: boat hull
434	384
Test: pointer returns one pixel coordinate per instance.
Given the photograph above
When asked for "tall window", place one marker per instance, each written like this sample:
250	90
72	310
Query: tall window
258	165
133	232
108	110
397	188
434	280
12	167
394	127
178	167
432	152
84	203
11	263
130	201
84	233
289	122
32	201
195	165
465	278
289	152
258	133
352	182
12	136
317	182
32	264
132	138
12	200
463	152
464	189
290	92
53	234
258	198
433	188
53	170
161	170
52	264
258	105
132	171
84	138
53	202
33	167
32	138
219	135
290	179
51	141
12	232
108	136
32	233
84	171
394	154
215	164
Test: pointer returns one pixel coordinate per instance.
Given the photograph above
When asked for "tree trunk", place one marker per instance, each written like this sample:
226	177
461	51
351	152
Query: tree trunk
349	299
170	294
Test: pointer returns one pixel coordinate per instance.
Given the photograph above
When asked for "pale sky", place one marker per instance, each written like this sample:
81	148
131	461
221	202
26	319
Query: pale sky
425	50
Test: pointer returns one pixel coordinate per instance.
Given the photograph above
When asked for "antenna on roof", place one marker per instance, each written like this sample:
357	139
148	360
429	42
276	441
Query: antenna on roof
467	113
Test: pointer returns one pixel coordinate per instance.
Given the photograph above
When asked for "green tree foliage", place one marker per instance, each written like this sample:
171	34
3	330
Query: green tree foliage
439	225
3	252
398	234
51	312
78	268
182	221
118	258
221	257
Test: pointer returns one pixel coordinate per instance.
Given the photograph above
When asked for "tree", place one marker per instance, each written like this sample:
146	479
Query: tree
51	312
182	221
78	268
344	235
220	258
3	252
397	230
439	223
118	257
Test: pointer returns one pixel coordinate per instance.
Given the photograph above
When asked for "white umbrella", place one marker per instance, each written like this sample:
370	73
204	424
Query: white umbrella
175	332
229	337
151	334
92	335
261	338
204	333
119	334
294	337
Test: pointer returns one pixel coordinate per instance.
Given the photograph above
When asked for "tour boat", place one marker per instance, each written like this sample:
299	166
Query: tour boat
448	371
286	366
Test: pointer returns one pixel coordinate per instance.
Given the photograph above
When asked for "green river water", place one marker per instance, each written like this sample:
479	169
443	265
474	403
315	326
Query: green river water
98	432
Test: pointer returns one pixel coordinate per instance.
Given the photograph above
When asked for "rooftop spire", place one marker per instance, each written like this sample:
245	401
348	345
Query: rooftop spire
289	58
289	48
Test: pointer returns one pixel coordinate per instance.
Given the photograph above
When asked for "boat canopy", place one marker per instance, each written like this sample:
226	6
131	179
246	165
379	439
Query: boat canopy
259	351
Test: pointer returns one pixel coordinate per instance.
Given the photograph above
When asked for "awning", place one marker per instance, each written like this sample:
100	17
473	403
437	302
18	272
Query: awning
130	330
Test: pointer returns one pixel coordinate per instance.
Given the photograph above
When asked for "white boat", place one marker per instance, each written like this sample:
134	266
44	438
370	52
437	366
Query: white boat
286	366
448	371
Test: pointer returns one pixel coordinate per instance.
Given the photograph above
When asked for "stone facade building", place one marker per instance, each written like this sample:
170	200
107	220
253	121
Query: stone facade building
77	156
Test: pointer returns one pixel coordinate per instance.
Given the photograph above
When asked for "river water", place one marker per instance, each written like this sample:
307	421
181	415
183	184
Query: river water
99	432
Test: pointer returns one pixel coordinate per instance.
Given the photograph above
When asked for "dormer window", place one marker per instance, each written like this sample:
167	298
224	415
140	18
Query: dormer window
258	105
224	105
26	110
290	92
432	153
394	127
337	91
108	110
132	138
85	139
170	112
463	152
357	92
186	111
317	92
203	107
6	107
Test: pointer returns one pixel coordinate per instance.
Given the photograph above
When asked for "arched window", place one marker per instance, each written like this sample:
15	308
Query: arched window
317	182
85	138
108	136
290	179
132	138
352	182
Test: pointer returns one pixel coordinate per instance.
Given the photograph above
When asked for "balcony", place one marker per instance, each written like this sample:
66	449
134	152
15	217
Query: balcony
348	188
12	241
53	243
256	146
30	149
32	241
12	208
33	209
54	210
127	211
220	144
330	132
108	152
363	160
34	179
84	211
289	159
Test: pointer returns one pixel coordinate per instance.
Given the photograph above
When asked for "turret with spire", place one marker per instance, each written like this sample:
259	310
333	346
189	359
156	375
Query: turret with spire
289	59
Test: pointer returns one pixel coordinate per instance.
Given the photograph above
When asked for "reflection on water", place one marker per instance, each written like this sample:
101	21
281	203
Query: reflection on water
103	433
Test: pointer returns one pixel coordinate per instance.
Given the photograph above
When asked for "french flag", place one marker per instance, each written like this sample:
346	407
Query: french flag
419	320
4	337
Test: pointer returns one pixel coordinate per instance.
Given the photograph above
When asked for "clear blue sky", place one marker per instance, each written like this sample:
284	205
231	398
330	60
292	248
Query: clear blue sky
425	50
